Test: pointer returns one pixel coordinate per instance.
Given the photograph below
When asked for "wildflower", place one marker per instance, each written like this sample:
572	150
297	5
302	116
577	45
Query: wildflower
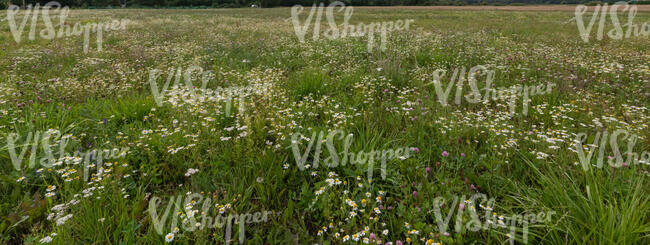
51	188
190	172
427	170
46	239
320	191
63	219
169	237
445	154
20	179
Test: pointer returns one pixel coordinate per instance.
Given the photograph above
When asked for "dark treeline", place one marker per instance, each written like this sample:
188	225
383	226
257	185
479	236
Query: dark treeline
278	3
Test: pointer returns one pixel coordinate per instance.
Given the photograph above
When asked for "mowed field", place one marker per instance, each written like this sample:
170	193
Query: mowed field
258	129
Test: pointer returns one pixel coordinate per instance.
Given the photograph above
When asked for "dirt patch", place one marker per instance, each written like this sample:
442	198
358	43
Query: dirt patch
569	8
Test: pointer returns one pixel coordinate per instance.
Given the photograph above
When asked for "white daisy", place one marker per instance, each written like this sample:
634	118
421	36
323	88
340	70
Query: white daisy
169	237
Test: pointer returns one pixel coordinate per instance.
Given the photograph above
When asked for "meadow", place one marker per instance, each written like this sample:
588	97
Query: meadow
125	147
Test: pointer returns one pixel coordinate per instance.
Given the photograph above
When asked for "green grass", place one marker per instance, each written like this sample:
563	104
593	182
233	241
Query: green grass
103	100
